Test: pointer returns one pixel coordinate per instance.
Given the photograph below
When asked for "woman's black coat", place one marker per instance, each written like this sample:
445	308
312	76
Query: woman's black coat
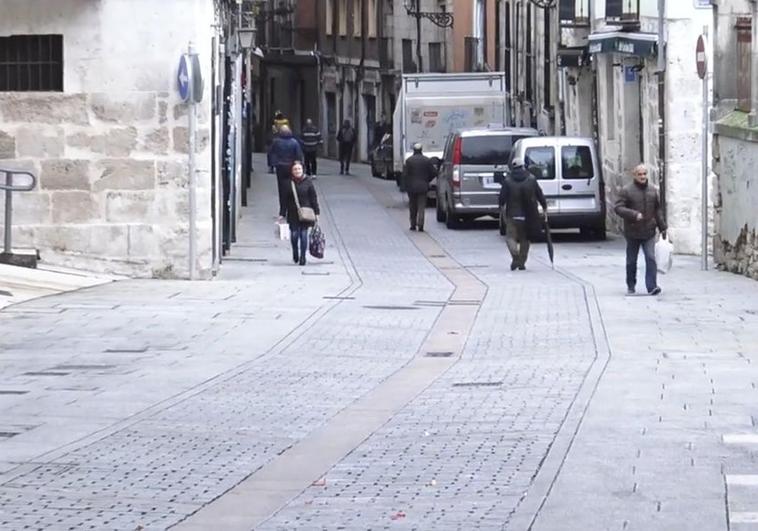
306	193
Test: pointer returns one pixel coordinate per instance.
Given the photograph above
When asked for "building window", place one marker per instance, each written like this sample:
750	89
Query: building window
31	63
329	16
744	29
567	11
372	16
436	61
342	18
548	71
529	58
408	64
358	18
507	61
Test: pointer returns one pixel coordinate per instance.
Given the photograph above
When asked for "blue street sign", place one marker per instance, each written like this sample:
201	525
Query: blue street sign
183	79
630	74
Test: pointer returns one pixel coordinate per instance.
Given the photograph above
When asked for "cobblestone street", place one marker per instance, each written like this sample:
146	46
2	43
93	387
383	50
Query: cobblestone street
408	380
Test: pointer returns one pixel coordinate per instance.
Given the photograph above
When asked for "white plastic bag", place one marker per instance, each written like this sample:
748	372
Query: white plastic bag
282	231
664	253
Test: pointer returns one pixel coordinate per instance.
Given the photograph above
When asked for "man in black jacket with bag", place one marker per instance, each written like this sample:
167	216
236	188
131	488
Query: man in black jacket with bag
640	207
418	172
520	194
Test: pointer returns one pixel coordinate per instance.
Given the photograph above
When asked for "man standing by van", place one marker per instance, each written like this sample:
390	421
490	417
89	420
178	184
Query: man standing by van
418	172
640	207
520	194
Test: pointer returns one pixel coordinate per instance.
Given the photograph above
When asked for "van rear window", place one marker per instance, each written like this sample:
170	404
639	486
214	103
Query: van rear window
576	162
540	162
487	150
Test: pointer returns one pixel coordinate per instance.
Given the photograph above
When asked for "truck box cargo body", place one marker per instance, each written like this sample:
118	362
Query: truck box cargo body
431	106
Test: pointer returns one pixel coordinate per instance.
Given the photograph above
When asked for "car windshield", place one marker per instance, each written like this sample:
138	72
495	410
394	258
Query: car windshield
487	150
576	162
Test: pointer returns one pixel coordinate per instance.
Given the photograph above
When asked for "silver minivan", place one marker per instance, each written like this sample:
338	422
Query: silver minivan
473	166
569	174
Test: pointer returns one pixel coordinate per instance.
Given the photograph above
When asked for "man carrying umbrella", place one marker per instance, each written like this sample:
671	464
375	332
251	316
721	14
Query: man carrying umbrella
520	194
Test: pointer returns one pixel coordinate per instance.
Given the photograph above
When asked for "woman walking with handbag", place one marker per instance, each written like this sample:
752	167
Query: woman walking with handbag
302	211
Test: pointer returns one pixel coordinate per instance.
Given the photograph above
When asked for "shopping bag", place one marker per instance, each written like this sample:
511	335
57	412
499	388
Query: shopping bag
317	242
282	231
664	253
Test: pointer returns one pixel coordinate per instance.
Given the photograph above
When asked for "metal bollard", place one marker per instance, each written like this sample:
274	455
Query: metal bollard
15	181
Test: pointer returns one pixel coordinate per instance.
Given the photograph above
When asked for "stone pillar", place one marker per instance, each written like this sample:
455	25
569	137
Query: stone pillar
753	117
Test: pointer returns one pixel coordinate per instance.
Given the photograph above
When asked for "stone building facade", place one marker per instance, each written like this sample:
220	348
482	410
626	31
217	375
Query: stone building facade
591	68
735	139
110	148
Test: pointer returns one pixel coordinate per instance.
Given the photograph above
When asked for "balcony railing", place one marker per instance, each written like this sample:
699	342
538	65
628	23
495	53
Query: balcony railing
574	13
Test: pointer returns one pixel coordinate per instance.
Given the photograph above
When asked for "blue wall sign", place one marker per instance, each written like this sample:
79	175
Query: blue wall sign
183	79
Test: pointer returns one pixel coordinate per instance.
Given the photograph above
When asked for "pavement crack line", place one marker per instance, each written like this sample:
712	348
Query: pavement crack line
270	488
295	333
527	510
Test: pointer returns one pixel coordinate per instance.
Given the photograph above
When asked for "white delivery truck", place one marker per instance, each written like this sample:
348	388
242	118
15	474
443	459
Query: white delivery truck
431	106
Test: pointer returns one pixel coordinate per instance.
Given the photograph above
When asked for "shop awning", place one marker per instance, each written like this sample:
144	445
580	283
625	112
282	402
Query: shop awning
639	44
575	57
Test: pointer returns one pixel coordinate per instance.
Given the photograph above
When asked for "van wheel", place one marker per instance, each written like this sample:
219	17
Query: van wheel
440	212
452	221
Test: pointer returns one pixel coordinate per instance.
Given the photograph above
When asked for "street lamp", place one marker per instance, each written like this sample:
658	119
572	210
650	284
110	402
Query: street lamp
246	37
441	19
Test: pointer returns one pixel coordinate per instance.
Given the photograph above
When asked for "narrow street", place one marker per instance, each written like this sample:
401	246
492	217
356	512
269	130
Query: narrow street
408	380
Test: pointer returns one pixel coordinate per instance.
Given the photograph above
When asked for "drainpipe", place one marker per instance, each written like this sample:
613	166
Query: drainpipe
661	73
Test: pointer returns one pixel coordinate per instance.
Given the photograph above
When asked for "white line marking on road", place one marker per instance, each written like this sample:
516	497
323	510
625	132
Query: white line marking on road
742	480
743	518
741	438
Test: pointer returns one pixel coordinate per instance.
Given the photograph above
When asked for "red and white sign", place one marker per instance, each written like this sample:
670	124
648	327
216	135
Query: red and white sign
701	57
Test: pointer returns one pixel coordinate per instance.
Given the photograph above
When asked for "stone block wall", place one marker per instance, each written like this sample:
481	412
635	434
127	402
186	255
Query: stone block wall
736	218
112	190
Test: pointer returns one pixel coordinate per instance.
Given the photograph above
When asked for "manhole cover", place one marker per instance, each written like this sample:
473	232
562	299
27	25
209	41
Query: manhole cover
477	384
445	354
391	307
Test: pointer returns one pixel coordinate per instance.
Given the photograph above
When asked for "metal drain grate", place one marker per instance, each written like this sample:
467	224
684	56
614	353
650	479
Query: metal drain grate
445	354
429	303
12	392
380	307
135	350
465	303
6	293
46	373
8	434
477	384
315	273
244	259
339	298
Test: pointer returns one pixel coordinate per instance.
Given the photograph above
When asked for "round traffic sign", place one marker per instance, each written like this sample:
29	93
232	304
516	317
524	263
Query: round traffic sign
701	57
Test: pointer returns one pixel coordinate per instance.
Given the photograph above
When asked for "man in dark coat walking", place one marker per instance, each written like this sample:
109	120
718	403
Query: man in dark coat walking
520	194
640	206
418	172
311	139
284	151
346	138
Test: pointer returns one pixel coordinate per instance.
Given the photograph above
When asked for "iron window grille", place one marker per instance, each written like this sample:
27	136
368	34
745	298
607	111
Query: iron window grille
31	63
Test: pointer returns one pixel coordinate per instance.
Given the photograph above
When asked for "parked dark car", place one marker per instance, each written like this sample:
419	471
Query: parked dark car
380	158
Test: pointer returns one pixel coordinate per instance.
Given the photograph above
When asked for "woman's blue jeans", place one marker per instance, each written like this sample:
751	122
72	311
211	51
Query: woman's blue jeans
299	238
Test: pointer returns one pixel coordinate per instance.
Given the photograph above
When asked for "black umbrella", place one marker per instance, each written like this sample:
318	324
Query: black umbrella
549	241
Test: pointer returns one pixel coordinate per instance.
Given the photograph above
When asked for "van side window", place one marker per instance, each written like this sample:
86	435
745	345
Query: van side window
576	162
540	162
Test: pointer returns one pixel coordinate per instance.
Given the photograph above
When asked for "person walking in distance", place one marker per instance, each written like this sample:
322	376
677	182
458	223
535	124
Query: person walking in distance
279	121
640	207
284	151
346	139
520	194
418	172
301	185
311	138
